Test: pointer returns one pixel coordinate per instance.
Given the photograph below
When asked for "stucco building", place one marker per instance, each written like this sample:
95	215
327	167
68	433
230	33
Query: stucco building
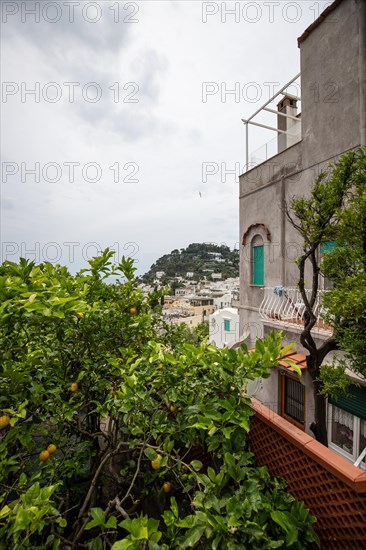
224	327
313	129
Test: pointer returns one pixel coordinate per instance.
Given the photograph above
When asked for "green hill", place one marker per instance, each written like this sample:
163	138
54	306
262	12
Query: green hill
199	258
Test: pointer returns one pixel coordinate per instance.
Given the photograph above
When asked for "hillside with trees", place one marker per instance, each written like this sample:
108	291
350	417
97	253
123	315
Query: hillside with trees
202	259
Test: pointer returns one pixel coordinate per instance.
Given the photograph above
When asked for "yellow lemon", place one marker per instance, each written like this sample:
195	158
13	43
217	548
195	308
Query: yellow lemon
44	455
156	463
4	421
167	487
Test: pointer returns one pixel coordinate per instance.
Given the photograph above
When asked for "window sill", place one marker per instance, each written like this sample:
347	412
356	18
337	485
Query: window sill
299	425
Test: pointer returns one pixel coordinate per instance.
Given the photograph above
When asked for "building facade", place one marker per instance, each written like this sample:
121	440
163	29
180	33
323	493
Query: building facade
224	327
332	121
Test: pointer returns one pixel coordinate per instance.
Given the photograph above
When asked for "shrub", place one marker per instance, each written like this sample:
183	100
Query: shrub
148	442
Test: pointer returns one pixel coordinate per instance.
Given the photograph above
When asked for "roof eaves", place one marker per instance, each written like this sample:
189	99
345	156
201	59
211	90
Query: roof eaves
318	21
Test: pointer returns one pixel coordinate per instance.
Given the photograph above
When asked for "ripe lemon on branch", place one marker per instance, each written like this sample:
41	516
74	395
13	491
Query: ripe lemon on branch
4	421
156	463
44	455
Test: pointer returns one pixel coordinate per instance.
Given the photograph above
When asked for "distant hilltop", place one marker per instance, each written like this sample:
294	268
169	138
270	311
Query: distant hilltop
197	262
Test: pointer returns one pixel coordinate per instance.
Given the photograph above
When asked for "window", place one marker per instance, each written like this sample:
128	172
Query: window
327	246
293	401
257	261
362	444
347	424
226	325
342	429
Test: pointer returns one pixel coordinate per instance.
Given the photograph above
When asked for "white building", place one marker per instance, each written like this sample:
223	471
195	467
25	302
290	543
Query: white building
224	327
223	301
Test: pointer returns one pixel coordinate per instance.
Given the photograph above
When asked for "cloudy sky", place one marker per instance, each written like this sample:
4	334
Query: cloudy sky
117	124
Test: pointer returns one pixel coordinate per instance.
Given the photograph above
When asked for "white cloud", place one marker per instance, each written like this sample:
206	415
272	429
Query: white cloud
169	133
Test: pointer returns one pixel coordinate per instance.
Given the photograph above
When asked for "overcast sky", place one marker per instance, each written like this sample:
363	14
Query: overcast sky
127	115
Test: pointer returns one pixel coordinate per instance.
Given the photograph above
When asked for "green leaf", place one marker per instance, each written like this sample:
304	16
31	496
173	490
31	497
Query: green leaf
292	536
284	519
124	544
293	365
169	518
228	431
98	518
5	511
196	465
192	537
97	544
152	526
211	474
111	523
174	507
62	522
150	453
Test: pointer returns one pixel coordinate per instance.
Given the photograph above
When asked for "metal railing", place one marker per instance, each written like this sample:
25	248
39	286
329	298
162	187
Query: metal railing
287	306
292	135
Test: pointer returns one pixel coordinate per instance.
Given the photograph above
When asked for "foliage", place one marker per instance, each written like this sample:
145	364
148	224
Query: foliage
174	334
319	218
150	436
334	381
346	267
198	259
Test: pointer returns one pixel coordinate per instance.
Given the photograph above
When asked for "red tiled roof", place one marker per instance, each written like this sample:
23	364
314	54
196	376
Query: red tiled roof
298	358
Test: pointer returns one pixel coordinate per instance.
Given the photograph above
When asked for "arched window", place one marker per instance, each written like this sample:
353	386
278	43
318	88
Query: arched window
257	261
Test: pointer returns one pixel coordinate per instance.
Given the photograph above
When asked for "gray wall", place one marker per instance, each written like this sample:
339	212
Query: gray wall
330	126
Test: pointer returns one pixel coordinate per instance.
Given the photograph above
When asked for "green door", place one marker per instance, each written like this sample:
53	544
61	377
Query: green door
258	265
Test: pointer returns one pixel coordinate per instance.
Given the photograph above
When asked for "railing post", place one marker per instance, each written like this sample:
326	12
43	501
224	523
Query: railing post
246	146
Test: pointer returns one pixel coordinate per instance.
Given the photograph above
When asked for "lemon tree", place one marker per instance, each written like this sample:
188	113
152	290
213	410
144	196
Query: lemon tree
114	435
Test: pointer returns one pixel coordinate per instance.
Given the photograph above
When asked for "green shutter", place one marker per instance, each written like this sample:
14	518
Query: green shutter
355	403
327	246
258	265
227	324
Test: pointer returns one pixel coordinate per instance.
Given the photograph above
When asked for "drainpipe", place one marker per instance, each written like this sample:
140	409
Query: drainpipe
283	232
362	68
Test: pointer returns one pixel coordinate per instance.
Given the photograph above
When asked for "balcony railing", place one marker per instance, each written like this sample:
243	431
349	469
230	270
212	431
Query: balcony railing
285	305
263	119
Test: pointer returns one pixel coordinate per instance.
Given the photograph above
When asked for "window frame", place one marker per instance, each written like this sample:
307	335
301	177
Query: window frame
324	247
357	450
256	243
227	323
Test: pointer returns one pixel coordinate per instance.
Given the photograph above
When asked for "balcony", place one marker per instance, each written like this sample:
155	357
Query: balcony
284	121
285	307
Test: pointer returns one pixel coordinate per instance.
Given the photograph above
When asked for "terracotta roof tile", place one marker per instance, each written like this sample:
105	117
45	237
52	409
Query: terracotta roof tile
298	358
